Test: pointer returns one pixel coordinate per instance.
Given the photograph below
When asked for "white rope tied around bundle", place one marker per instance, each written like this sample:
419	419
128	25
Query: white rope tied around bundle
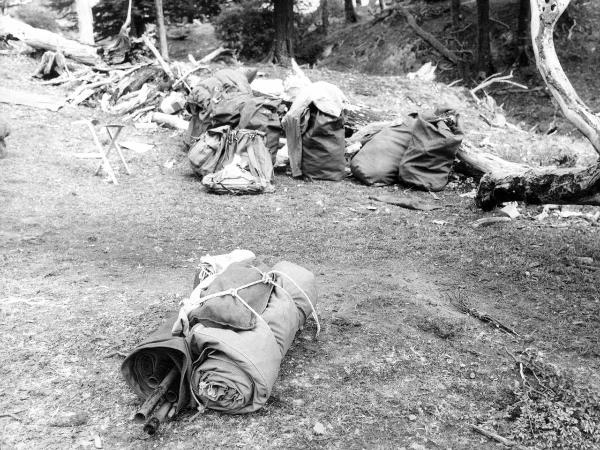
266	279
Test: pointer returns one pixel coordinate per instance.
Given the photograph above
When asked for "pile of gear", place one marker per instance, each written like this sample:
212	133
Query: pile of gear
238	124
236	132
417	152
223	349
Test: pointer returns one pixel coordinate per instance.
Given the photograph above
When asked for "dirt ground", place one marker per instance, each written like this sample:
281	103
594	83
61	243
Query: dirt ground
88	269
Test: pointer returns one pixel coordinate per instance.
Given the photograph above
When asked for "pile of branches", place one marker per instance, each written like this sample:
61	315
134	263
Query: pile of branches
134	91
130	79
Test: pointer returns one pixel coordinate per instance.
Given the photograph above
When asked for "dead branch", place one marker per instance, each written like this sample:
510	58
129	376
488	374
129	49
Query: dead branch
186	74
159	58
215	54
496	78
428	37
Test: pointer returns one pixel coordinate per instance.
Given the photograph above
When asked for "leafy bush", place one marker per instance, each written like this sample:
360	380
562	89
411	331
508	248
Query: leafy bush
550	410
246	27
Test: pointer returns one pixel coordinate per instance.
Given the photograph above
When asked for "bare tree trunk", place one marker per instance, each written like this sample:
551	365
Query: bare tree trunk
283	46
85	20
455	10
162	31
522	35
544	17
484	58
351	16
325	16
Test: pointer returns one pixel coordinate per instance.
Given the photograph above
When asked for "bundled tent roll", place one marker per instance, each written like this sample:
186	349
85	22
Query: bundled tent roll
237	368
314	128
229	338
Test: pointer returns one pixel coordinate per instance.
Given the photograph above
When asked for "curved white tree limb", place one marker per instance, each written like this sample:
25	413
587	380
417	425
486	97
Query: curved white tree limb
544	16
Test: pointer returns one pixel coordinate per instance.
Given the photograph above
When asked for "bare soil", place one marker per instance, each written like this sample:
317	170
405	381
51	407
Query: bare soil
88	269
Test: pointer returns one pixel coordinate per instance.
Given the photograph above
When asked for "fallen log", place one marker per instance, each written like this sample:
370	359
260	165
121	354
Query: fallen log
47	40
504	181
541	185
476	163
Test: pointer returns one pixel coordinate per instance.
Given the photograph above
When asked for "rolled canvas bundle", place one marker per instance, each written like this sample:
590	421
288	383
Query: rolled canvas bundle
229	338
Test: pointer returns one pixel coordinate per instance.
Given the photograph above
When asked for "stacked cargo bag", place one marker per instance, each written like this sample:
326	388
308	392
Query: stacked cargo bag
378	161
209	152
314	128
221	95
245	165
263	114
434	142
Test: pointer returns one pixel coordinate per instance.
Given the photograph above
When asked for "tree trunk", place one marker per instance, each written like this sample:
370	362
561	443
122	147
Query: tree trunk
455	10
484	58
325	16
46	40
162	31
522	34
544	17
351	16
283	46
85	20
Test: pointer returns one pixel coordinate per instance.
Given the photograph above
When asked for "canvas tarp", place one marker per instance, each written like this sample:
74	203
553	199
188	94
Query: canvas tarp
418	153
151	360
236	370
227	368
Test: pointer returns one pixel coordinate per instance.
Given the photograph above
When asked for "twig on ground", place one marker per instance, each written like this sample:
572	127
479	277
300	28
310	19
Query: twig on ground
464	307
496	437
116	353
